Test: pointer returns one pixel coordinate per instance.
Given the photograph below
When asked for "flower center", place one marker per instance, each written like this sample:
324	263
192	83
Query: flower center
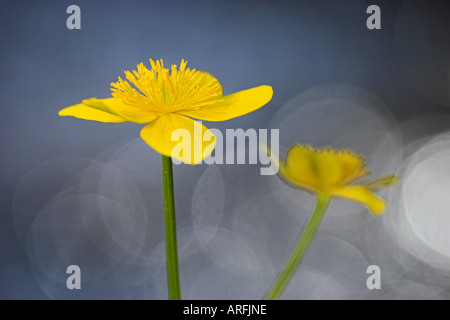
160	91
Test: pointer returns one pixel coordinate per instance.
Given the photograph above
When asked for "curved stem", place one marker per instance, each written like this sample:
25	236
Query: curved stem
322	202
170	230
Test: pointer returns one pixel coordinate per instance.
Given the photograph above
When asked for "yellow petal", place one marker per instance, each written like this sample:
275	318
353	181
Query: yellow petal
186	133
351	165
324	169
361	194
301	168
284	170
231	106
125	111
108	110
382	182
84	112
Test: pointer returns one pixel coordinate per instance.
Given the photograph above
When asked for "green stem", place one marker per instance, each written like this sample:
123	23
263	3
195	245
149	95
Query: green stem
171	230
301	247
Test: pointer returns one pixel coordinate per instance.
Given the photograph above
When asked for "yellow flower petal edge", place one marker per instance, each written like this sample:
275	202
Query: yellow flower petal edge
330	172
111	106
82	111
361	194
116	106
233	105
324	168
158	95
382	182
200	146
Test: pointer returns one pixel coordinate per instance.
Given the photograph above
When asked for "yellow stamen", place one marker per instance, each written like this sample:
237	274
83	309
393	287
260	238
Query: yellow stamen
160	91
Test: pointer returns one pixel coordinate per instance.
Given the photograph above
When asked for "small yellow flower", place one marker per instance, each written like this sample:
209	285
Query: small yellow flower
330	172
167	101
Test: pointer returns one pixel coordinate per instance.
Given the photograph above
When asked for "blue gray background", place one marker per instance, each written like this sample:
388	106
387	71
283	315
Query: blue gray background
87	193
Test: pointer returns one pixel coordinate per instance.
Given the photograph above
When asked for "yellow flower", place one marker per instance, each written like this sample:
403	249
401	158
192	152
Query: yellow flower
167	101
330	172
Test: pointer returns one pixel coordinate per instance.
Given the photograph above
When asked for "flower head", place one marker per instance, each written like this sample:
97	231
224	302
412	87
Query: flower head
167	100
331	172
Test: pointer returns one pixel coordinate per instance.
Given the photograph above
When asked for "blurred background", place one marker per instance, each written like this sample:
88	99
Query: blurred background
75	192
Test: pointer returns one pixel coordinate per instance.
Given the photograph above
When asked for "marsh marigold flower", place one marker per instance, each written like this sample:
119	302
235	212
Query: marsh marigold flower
327	173
332	173
167	101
